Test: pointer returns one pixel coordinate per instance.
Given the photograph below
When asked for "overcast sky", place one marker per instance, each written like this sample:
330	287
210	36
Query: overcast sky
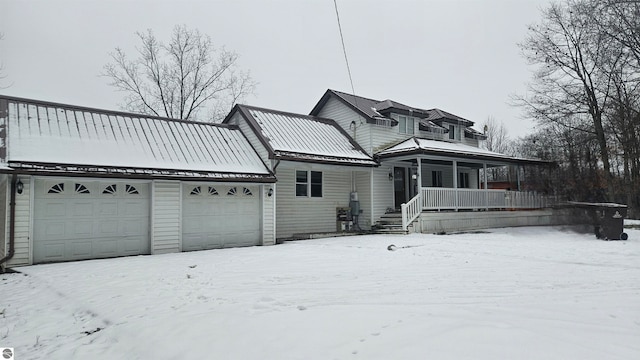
457	55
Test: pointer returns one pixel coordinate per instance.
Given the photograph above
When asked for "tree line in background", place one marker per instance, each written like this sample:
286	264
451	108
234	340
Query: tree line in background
585	99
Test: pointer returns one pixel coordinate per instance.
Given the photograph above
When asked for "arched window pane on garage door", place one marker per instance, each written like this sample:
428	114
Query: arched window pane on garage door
111	189
56	189
130	189
81	189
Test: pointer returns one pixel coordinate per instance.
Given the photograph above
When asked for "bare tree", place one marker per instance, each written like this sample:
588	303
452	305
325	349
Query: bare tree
586	93
569	53
179	79
498	141
497	136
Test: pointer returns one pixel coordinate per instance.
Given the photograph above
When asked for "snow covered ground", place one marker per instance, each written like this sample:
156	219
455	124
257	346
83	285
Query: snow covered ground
520	293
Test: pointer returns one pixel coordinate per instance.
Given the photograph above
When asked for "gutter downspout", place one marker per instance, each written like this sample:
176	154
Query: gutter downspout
12	223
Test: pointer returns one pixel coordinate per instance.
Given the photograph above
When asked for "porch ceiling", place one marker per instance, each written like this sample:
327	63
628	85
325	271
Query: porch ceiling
440	150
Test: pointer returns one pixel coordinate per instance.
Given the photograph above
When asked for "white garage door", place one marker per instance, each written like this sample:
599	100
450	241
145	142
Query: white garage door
85	219
216	216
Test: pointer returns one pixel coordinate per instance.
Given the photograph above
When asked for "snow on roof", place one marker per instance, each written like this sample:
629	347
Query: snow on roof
418	145
372	108
46	133
304	137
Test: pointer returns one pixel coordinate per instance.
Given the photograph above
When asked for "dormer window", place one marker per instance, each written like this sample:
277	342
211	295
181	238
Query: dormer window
454	132
406	124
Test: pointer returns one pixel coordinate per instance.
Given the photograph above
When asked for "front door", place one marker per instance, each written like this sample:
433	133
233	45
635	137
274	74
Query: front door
399	186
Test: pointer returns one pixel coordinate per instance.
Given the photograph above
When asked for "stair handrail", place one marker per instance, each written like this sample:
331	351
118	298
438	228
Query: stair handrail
411	210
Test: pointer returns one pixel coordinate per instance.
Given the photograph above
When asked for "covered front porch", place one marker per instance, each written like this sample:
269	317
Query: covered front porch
454	179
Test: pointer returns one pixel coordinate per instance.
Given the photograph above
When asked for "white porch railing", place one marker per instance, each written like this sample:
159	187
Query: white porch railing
410	211
463	199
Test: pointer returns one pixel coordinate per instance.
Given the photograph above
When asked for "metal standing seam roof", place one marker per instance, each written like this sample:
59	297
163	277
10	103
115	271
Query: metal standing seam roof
420	146
43	136
371	108
306	138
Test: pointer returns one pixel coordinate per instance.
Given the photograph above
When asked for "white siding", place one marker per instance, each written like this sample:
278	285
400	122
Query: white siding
363	186
384	137
4	211
22	241
237	119
382	190
299	215
166	224
268	215
335	110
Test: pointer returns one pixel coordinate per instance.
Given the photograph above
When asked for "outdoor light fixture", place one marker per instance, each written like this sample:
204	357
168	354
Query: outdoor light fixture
19	187
390	176
270	192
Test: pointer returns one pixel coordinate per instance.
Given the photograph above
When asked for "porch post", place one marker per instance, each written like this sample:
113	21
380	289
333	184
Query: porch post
455	181
486	186
518	176
419	177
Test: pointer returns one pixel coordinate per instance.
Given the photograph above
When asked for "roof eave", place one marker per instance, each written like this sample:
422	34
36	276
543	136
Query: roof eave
98	171
327	160
415	151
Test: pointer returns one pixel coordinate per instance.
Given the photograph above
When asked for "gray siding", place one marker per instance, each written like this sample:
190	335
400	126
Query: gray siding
384	137
166	219
4	211
363	186
334	109
299	215
268	215
382	190
22	241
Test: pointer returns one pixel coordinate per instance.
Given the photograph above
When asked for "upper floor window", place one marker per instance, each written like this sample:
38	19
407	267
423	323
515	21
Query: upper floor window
308	183
452	132
406	124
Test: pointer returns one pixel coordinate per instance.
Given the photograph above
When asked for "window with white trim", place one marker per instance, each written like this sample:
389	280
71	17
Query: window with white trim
463	180
406	124
436	178
308	183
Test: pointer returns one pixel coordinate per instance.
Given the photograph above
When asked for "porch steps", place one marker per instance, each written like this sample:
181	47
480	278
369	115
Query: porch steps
391	223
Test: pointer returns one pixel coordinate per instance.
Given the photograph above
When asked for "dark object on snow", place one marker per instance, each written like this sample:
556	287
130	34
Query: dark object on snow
392	247
607	219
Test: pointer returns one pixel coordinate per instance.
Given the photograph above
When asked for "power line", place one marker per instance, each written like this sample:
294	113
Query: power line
344	50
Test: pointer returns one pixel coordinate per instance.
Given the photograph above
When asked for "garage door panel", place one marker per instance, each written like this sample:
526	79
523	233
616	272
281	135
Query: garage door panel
134	207
107	228
228	217
50	230
77	219
78	249
54	209
81	208
52	251
107	208
81	229
106	247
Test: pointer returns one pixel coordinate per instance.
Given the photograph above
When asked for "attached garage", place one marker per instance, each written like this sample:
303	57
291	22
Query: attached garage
83	219
82	183
220	215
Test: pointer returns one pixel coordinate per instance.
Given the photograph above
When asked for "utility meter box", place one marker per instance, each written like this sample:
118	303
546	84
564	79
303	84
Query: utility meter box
343	219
